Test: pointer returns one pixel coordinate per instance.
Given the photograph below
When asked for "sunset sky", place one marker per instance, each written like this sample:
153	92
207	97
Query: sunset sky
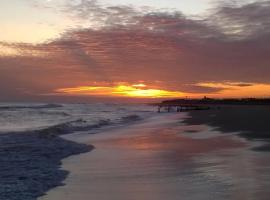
99	50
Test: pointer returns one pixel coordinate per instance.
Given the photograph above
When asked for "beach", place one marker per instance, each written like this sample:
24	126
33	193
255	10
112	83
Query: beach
251	122
31	149
168	156
130	152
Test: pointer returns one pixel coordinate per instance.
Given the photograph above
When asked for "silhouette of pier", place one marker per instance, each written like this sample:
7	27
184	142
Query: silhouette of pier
180	107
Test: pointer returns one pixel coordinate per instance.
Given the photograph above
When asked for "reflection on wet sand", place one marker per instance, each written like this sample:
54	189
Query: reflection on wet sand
157	160
171	140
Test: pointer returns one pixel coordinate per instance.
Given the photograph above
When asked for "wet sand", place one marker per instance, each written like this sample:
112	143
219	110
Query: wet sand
162	158
251	122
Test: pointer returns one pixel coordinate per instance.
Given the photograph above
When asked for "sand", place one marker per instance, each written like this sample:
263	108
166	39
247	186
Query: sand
251	122
162	158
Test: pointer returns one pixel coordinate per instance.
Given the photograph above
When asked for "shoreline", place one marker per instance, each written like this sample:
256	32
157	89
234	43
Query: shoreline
30	164
35	166
249	122
147	161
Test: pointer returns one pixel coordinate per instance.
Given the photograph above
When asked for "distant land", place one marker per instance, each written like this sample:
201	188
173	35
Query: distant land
212	101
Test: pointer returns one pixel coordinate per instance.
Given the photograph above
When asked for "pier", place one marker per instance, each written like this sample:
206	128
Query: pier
180	107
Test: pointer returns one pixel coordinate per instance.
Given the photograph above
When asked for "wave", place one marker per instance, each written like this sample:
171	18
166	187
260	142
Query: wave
12	107
70	127
130	118
80	125
54	113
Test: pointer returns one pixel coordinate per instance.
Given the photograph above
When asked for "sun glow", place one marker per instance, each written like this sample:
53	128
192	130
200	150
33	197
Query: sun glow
135	91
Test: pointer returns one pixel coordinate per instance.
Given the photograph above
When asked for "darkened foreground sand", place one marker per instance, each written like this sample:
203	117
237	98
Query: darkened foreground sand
251	122
162	158
30	164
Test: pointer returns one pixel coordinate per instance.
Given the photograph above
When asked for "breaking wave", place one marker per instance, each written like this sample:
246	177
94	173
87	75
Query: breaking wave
80	125
71	126
57	119
130	118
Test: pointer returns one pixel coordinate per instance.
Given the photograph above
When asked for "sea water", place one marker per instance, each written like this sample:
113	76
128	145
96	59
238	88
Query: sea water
67	118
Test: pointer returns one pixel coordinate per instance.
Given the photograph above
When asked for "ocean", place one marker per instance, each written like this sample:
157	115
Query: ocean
31	149
67	118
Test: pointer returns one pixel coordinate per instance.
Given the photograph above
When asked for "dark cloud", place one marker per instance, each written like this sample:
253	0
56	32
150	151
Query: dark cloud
244	21
157	47
200	89
241	84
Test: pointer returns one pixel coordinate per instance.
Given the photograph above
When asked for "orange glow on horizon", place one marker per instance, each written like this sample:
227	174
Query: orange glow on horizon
135	91
237	89
141	90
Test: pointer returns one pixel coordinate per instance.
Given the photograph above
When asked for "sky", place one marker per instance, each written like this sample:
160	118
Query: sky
103	50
